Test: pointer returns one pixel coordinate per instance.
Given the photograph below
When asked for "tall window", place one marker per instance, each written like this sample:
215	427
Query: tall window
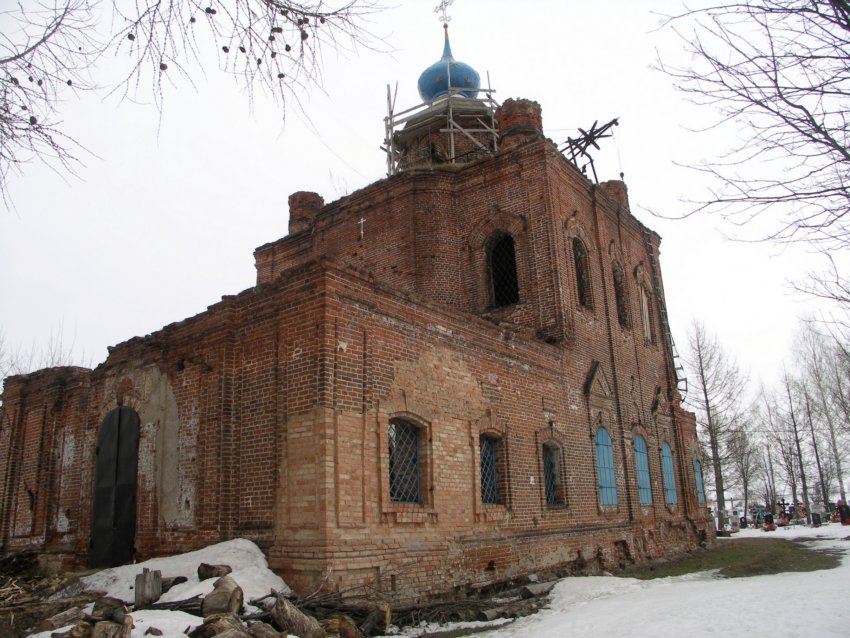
605	468
405	461
698	478
646	315
585	298
552	474
667	473
642	471
620	295
501	262
489	469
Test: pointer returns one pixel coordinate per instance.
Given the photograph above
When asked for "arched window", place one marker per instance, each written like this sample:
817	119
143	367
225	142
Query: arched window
620	295
646	315
490	453
582	267
668	474
605	475
555	493
405	461
698	478
642	471
501	263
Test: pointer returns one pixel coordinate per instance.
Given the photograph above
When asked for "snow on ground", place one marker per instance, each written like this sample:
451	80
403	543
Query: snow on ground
250	570
782	605
702	604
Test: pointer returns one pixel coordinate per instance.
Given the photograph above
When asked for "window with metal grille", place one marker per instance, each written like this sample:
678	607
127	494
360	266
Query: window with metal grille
698	478
585	298
501	262
620	295
552	474
489	470
642	471
605	475
646	315
405	459
667	473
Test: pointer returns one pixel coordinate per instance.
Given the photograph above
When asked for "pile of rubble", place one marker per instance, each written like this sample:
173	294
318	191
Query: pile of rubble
31	602
222	610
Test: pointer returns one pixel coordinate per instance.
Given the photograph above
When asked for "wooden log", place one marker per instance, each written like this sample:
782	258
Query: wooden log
532	590
206	571
80	630
189	605
289	618
105	606
68	617
377	621
341	625
172	581
148	588
110	629
226	625
491	614
227	597
264	630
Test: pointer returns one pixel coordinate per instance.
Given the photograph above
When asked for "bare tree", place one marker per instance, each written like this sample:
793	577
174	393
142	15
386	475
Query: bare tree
777	70
745	461
777	73
781	441
768	479
821	364
48	49
55	352
796	435
823	485
716	401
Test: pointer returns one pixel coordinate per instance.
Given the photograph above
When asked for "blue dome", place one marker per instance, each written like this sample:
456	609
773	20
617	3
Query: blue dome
434	80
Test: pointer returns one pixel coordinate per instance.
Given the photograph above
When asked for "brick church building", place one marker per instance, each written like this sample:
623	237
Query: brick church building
457	375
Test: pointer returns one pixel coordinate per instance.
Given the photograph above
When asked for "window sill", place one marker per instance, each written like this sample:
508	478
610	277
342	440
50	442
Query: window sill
409	514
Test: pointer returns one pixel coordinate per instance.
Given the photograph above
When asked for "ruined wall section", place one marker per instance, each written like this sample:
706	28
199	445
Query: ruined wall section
214	394
41	427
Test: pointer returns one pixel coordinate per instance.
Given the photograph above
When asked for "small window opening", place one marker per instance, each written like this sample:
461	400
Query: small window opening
698	478
642	471
404	461
489	470
552	474
585	298
620	295
670	496
646	315
501	259
605	474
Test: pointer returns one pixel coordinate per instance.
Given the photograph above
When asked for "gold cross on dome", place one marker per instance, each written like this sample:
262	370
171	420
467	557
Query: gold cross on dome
441	8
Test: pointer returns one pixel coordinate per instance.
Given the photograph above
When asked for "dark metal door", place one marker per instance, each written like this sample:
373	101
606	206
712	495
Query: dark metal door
113	530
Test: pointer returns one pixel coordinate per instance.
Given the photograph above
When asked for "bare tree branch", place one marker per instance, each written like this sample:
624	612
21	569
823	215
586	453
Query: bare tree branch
47	51
777	73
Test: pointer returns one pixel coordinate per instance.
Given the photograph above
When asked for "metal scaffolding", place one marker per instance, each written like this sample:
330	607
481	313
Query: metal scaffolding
451	114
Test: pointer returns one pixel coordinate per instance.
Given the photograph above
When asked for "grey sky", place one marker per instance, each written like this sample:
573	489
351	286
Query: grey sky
165	215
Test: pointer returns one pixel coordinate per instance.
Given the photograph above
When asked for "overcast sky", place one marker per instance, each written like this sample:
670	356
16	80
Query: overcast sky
163	218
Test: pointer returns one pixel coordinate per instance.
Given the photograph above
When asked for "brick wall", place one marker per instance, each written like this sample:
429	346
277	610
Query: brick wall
268	415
